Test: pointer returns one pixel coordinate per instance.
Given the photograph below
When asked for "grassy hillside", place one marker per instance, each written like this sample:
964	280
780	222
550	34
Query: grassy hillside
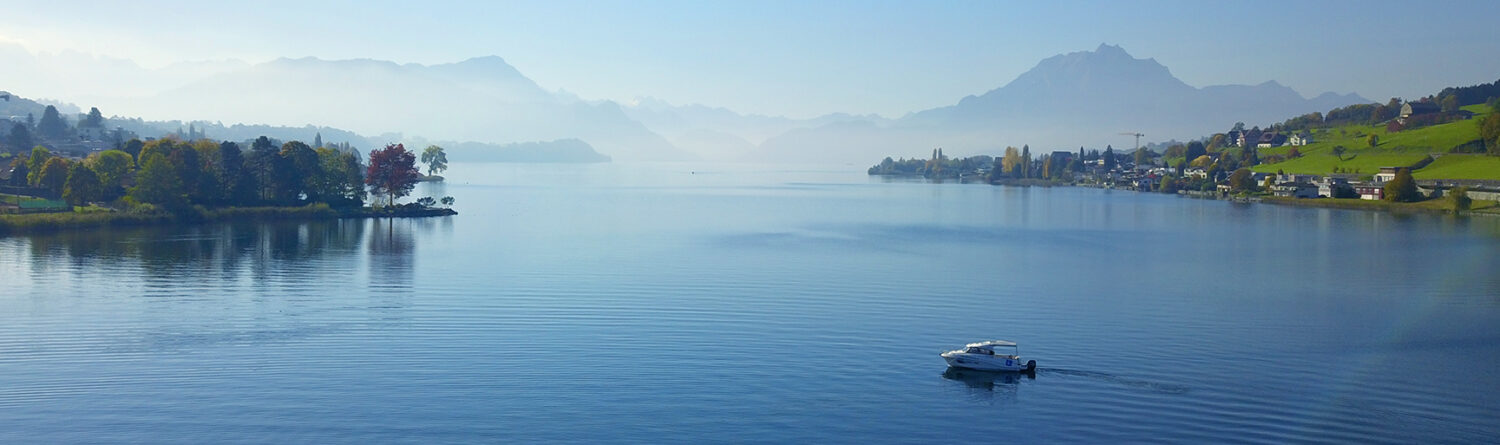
1366	162
1461	167
1394	149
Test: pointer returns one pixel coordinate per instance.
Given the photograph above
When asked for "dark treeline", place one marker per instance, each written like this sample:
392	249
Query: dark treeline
174	174
1471	95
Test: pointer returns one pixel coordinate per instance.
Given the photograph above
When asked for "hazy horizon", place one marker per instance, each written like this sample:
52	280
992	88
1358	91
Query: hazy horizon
784	59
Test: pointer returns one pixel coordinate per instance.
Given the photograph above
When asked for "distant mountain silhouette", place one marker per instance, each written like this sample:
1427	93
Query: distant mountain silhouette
482	99
719	133
1077	99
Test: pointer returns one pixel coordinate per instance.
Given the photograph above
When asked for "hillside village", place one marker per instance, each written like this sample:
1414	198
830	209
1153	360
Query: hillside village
1439	143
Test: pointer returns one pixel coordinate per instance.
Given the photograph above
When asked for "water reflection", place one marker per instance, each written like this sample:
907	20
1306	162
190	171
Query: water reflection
391	245
986	385
292	254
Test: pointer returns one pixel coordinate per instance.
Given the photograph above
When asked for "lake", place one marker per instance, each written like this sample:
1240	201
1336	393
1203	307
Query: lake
692	303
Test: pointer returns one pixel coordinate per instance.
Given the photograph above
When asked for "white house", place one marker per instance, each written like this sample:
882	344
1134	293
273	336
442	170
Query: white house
1300	139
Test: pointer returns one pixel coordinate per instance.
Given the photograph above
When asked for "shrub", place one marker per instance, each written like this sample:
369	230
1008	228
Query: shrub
1460	198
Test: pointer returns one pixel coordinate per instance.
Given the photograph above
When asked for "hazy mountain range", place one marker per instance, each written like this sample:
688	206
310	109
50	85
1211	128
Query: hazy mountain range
1078	99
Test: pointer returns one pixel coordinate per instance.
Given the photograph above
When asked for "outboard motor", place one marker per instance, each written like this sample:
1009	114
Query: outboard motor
1031	366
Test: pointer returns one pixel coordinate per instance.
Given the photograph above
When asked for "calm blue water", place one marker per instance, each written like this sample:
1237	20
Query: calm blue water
698	303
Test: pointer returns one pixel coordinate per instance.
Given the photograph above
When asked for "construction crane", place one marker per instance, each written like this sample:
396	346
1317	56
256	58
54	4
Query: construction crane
1137	139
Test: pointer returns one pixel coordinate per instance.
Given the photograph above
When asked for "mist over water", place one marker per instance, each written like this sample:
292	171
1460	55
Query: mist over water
695	303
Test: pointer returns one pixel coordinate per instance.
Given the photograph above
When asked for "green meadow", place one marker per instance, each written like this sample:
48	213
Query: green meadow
1391	150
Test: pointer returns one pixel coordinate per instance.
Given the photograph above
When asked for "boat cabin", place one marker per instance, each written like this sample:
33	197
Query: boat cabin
1005	349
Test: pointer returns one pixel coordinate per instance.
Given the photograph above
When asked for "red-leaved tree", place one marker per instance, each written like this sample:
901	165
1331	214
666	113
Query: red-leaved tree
392	172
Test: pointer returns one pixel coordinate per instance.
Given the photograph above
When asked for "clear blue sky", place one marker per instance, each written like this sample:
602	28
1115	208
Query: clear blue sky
801	58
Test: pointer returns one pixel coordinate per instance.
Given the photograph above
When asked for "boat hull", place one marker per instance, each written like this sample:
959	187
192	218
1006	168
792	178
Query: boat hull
988	363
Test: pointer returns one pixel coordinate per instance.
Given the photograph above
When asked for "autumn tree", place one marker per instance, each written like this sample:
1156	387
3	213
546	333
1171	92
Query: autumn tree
1372	140
392	172
1011	161
54	175
1242	180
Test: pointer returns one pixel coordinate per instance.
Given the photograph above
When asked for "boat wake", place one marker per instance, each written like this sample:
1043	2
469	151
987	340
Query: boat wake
1156	387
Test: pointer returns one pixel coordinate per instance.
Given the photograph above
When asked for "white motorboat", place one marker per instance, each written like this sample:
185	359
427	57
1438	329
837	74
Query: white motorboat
993	355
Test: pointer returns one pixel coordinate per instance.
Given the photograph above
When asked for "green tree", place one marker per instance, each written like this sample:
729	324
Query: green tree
1489	132
1459	196
1403	188
341	183
52	125
435	158
95	119
34	163
240	187
1449	104
1026	161
1372	140
1195	149
19	138
307	170
54	175
111	168
1142	157
82	185
133	148
1338	150
19	171
1109	158
158	183
189	171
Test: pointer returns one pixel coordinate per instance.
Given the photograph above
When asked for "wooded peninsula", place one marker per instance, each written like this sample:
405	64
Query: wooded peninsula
173	179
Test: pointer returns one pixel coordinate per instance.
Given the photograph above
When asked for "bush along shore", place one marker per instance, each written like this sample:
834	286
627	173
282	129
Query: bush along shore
56	222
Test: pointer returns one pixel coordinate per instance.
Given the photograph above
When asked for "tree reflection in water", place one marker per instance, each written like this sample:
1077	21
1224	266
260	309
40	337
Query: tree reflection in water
287	258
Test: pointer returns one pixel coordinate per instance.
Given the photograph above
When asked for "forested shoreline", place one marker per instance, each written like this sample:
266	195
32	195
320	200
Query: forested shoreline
170	180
